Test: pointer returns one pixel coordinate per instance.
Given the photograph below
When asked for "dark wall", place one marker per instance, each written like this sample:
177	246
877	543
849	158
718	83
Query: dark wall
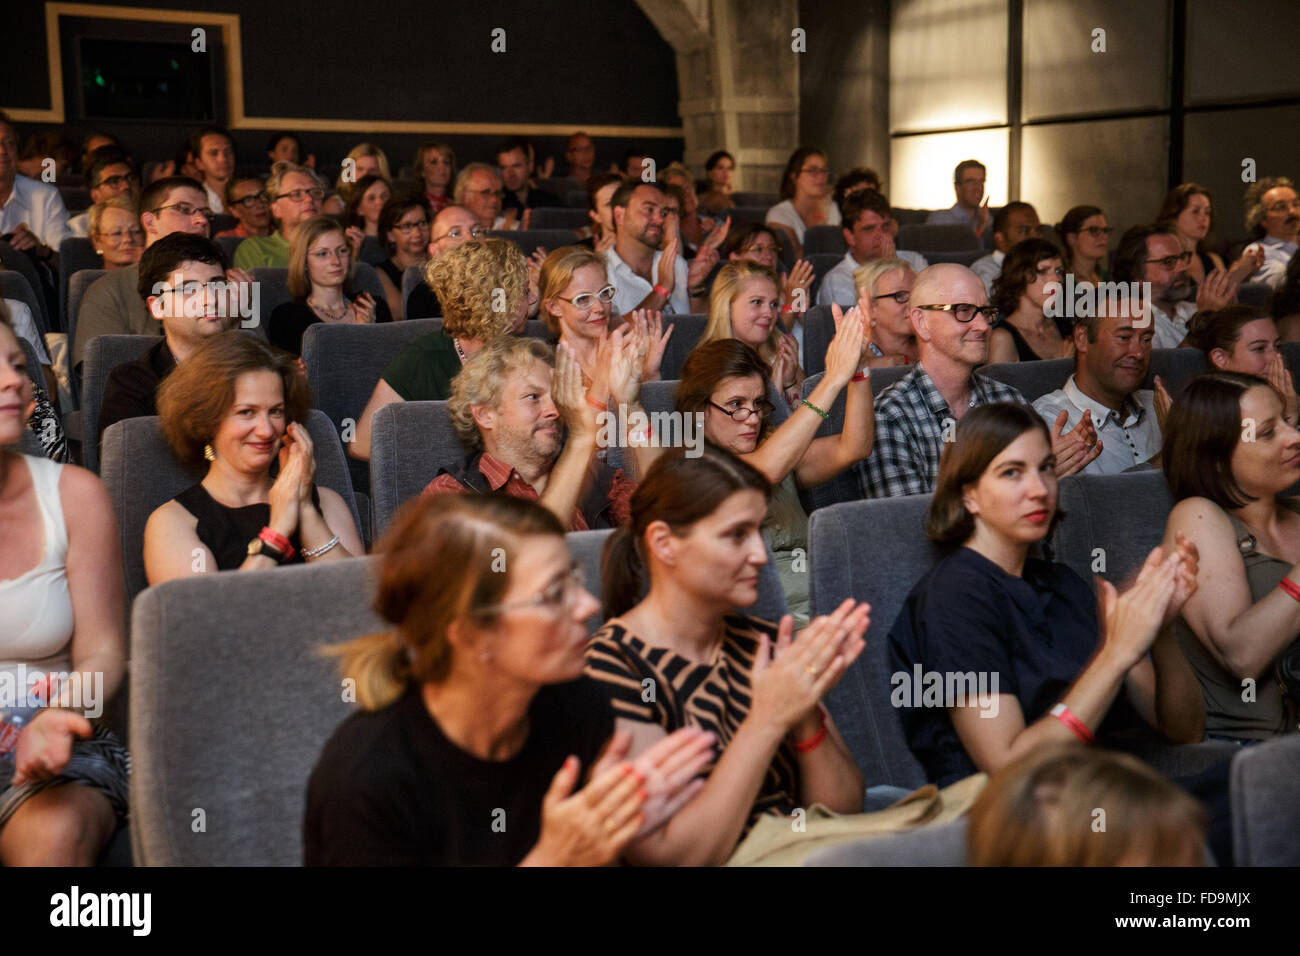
402	60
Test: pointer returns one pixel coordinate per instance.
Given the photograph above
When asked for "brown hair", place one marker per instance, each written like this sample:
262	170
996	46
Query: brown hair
982	435
709	365
1201	433
460	535
197	395
1043	809
794	165
1176	201
1219	329
680	491
299	280
1019	269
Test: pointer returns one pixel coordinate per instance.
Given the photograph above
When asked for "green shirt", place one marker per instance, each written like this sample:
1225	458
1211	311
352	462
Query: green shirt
255	251
422	372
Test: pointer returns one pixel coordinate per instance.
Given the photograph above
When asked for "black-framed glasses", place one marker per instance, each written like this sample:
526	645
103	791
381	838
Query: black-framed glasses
121	179
406	227
458	232
586	301
251	200
559	597
763	408
901	296
298	195
1169	262
965	312
185	209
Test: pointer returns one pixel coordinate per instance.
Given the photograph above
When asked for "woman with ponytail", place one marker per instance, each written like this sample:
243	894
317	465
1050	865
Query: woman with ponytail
479	742
675	654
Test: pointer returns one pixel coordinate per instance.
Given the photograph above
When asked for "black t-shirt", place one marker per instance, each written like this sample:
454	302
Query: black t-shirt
290	321
391	790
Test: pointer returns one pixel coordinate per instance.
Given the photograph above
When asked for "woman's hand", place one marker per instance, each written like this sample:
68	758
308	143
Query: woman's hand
298	442
1217	291
286	492
795	286
1248	263
354	237
1133	619
45	745
717	233
363	309
669	770
622	373
651	341
847	351
1279	376
1162	402
1185	573
604	243
569	395
785	365
593	826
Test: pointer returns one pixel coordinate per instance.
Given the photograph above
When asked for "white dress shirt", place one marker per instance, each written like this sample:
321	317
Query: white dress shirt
630	289
40	206
1127	440
989	268
1170	330
1277	256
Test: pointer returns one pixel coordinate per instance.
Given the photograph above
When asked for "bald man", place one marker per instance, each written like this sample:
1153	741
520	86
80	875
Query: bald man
951	317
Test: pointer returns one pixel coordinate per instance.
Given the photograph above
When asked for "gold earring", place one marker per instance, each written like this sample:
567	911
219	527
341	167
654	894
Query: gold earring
208	453
99	252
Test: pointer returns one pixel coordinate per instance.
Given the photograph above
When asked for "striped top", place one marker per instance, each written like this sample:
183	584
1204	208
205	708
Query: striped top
685	694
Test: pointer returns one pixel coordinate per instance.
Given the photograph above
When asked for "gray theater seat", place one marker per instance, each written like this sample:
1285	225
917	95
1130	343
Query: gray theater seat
529	239
687	332
1123	515
926	238
942	844
1264	782
103	354
824	239
409	442
822	263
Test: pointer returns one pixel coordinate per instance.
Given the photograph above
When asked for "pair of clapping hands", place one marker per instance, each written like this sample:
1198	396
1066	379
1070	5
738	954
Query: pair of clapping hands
625	357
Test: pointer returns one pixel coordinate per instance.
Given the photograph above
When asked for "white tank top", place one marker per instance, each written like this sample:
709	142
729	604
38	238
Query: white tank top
35	608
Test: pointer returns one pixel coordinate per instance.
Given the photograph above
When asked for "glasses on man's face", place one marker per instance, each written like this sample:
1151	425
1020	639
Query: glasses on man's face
118	236
965	312
460	232
586	301
196	287
739	412
251	200
408	227
300	195
559	598
901	296
1097	232
1171	262
498	193
120	180
186	209
1285	206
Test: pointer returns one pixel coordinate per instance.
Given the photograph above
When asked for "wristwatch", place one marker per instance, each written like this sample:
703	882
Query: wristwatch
258	546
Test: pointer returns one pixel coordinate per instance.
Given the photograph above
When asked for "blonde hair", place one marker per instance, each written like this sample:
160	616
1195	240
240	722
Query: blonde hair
303	237
481	380
344	189
726	289
284	168
460	534
1042	810
866	276
558	271
96	213
470	281
463	177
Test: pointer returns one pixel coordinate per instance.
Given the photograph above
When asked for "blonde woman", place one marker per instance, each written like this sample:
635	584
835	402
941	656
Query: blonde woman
746	304
361	160
435	164
484	291
321	270
884	290
115	232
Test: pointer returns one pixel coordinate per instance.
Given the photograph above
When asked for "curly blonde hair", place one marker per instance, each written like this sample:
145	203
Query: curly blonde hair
557	273
482	285
303	237
480	381
726	289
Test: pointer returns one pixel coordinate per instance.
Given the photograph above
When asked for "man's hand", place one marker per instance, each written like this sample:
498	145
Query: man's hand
1218	291
701	266
23	239
1074	449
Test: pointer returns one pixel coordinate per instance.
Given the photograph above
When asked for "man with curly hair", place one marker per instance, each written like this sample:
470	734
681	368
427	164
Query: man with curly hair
1273	217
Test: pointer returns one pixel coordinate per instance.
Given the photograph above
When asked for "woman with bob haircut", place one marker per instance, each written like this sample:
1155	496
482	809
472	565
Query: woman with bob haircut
478	741
115	231
435	165
1066	670
1041	809
745	304
404	227
1243	338
321	271
1229	456
239	404
1025	333
884	288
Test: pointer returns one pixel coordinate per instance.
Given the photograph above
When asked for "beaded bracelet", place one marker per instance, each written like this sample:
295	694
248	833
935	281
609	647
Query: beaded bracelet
823	414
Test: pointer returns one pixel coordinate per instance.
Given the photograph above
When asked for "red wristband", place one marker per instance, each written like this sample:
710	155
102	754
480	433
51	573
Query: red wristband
1077	726
1290	587
662	291
815	741
863	375
277	541
787	307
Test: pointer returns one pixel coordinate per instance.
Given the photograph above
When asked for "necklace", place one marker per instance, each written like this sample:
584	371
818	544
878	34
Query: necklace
460	352
329	315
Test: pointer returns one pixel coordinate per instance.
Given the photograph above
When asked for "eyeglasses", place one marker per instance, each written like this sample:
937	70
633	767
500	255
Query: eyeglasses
121	179
499	193
456	232
1284	206
405	227
1098	231
1169	262
185	209
195	287
815	171
586	301
251	200
965	312
556	599
117	235
901	296
298	195
763	408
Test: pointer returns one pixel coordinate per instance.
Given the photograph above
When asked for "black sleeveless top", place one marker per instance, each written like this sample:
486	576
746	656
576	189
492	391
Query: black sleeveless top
389	268
1023	352
227	531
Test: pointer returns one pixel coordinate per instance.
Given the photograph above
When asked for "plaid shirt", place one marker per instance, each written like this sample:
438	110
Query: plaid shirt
910	418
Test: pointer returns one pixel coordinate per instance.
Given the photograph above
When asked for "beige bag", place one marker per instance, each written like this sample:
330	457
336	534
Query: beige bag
775	841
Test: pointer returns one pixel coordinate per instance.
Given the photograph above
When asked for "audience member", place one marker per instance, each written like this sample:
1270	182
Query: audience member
644	263
482	670
1021	294
479	189
1111	356
634	165
1041	810
214	158
404	227
1273	217
246	201
321	272
240	404
465	279
805	197
968	184
361	160
115	232
600	190
454	225
1186	214
287	148
296	194
43	422
989	608
915	416
756	242
744	305
693	228
1013	223
51	152
580	154
435	164
1085	236
515	165
884	288
856	180
866	218
93	141
365	203
726	384
715	194
182	285
63	785
1230	457
111	173
33	218
1243	338
693	548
